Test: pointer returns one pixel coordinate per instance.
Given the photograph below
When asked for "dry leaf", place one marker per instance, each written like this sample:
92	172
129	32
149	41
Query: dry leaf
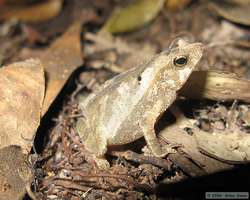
33	13
60	59
237	11
133	16
22	90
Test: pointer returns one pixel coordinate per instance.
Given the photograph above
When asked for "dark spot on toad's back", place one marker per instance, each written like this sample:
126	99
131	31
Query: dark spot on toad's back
139	79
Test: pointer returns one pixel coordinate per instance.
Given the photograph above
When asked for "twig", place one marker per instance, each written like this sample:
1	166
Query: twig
139	158
70	184
144	187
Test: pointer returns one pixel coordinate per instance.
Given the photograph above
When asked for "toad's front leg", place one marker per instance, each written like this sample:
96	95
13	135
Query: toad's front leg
154	145
94	143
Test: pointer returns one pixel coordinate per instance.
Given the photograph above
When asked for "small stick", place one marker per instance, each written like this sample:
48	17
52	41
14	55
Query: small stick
139	158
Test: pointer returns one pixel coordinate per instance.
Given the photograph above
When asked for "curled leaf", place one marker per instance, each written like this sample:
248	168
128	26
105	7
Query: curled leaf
134	16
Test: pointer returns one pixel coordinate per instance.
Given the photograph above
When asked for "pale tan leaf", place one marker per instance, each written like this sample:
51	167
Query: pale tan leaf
22	91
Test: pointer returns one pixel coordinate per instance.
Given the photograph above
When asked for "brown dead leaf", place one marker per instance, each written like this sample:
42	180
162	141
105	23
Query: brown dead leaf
22	90
60	60
33	13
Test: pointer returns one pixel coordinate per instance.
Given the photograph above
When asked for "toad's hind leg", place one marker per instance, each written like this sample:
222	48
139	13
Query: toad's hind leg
157	149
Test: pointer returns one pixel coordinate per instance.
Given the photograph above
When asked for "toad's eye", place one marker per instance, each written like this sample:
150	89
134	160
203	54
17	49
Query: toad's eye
180	61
